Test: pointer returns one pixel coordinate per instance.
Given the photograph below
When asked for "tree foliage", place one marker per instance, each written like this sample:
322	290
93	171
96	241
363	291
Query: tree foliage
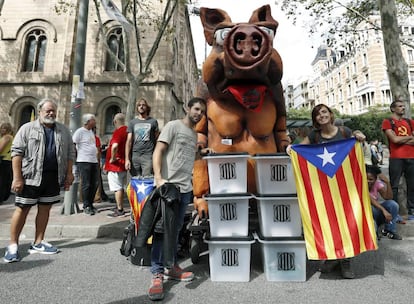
141	17
369	123
298	114
144	22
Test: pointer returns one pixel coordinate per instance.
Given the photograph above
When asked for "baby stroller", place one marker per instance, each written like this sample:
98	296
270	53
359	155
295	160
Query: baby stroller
199	228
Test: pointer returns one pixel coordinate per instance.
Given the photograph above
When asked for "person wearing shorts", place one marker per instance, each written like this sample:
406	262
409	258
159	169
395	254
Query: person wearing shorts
42	158
115	164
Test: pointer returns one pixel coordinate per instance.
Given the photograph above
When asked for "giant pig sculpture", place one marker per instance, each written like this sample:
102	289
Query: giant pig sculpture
241	82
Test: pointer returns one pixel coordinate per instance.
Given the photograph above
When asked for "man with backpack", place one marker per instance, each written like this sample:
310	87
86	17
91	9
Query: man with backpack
399	131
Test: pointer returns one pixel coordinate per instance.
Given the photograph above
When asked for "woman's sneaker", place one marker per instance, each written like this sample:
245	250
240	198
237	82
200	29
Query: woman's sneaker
43	248
10	256
391	235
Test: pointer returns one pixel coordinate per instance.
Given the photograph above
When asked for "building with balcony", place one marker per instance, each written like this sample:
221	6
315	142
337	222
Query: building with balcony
352	77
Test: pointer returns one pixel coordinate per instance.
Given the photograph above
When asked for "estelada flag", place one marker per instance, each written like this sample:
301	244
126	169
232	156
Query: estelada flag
334	199
138	191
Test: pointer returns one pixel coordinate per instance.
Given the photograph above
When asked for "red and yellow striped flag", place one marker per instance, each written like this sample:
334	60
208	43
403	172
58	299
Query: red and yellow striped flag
138	191
334	199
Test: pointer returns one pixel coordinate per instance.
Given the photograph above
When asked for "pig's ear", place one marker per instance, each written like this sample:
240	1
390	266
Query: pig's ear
210	18
263	16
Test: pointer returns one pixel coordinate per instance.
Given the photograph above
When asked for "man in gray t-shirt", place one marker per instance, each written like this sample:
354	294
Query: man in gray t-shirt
173	159
142	135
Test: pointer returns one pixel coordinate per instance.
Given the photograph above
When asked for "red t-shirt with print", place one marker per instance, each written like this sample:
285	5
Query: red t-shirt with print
401	128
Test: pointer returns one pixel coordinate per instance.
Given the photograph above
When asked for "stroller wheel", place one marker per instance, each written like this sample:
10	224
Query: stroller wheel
195	251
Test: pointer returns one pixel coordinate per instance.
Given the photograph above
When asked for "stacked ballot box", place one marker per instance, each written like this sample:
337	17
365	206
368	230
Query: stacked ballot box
229	214
279	216
284	259
228	208
280	229
274	174
227	172
230	258
280	225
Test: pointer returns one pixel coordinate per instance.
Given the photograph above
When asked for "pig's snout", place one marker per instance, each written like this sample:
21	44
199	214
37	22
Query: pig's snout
246	46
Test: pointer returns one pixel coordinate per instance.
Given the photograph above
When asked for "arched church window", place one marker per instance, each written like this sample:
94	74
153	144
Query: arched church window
116	45
27	114
109	118
35	51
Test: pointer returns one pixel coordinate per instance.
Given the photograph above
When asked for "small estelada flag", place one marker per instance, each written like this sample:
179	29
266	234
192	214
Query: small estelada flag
334	199
138	191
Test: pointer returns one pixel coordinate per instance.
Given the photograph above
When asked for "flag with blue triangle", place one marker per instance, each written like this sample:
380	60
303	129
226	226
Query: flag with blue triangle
138	191
334	199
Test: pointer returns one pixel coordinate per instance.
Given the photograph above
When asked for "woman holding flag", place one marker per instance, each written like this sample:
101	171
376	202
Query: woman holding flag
325	131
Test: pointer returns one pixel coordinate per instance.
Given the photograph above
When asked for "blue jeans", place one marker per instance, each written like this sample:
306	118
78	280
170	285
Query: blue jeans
157	265
398	167
392	207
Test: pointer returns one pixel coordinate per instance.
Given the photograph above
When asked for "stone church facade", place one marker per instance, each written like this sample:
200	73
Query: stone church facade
37	48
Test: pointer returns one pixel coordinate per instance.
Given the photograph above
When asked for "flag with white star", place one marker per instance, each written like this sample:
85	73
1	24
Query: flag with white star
138	191
334	200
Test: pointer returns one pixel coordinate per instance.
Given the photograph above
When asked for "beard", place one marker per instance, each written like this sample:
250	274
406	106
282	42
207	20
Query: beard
48	120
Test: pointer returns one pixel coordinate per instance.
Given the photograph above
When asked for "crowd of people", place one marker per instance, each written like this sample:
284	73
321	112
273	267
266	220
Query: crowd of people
36	164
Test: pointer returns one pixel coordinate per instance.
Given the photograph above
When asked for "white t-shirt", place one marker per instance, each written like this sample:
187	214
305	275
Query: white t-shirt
85	142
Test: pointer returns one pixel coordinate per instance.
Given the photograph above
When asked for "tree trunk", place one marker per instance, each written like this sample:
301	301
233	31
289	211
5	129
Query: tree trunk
397	68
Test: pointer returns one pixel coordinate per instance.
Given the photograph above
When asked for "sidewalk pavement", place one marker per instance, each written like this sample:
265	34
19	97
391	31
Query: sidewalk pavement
79	225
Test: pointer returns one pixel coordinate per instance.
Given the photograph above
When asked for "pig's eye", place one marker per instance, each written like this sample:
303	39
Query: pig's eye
221	34
268	31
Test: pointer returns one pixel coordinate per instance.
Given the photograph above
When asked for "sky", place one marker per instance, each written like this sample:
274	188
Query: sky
293	43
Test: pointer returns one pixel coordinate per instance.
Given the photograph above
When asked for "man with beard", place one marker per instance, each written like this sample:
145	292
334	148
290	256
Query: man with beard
42	157
173	161
400	134
142	136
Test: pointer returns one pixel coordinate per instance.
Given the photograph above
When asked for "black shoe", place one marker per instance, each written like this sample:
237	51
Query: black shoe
89	211
329	266
391	235
116	213
346	270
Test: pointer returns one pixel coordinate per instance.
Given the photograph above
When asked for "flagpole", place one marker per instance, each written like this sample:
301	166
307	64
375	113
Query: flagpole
70	204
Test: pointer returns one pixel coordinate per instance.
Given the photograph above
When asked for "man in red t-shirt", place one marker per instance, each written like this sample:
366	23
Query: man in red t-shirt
115	163
399	132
